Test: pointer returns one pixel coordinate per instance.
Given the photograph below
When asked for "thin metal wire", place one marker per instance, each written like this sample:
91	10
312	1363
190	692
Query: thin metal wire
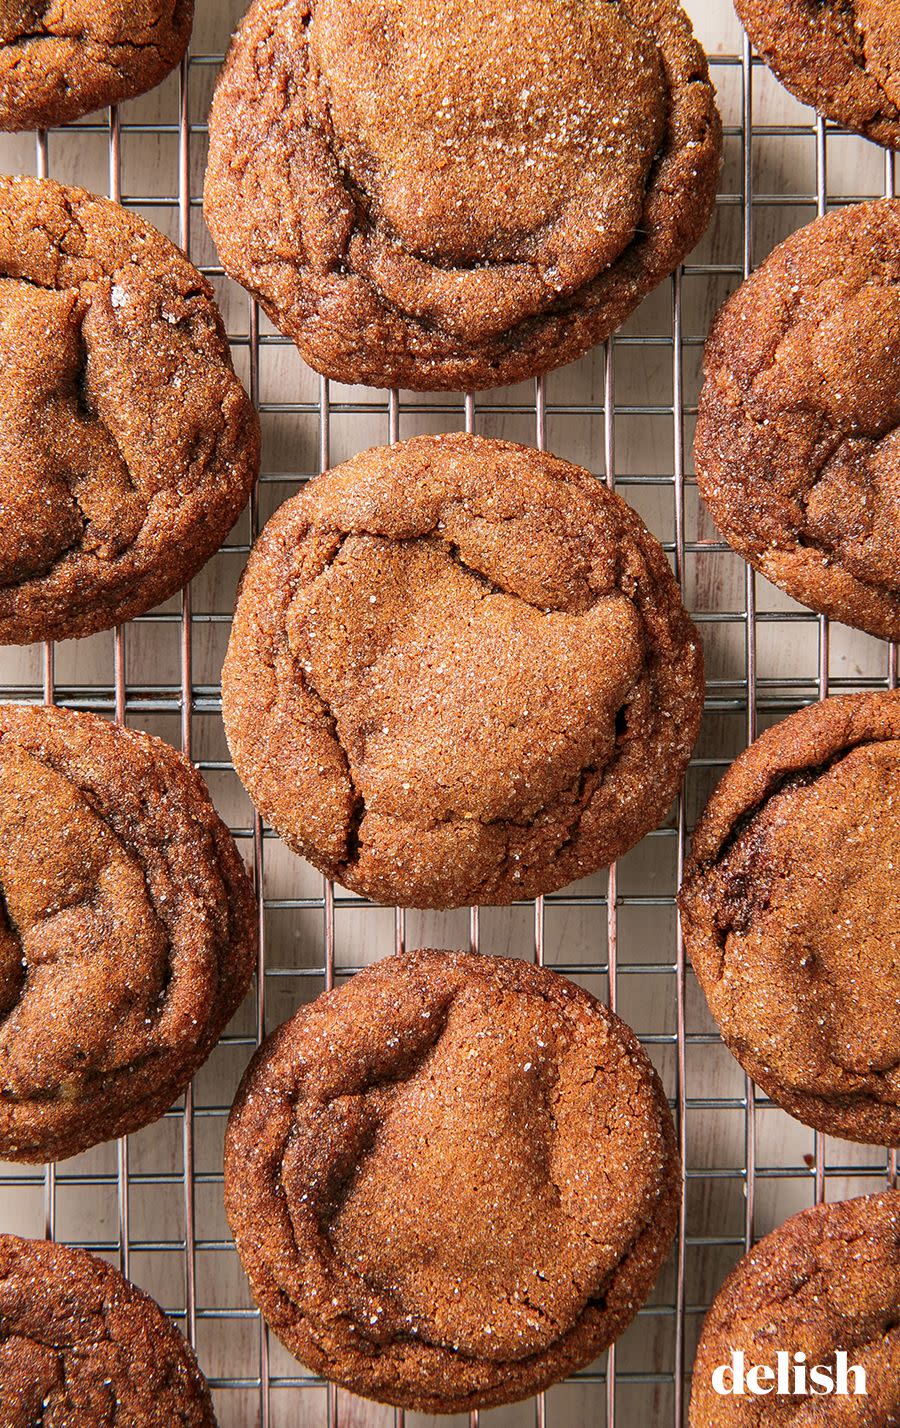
42	169
680	1013
119	682
750	593
612	911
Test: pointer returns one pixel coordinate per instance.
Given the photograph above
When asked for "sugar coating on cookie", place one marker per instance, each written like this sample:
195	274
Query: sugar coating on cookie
828	1279
791	913
798	433
452	1181
60	59
437	195
127	930
128	447
460	671
842	58
80	1345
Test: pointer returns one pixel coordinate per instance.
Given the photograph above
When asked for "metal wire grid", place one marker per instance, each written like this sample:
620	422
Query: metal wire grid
255	1381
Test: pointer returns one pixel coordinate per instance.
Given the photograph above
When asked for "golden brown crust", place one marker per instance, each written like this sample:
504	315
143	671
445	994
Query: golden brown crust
840	56
460	671
60	59
790	913
451	1181
827	1279
127	930
798	434
80	1345
128	447
431	196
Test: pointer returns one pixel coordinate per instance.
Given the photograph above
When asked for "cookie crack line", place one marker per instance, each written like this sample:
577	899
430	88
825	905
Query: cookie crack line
797	777
816	471
360	807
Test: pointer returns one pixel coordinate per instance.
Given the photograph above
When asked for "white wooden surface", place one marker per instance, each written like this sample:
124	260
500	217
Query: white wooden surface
91	1201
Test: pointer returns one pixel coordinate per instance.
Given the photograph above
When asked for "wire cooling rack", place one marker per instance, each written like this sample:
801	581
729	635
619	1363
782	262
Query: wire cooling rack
153	1203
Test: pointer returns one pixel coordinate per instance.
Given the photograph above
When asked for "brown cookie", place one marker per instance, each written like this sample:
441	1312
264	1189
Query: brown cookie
60	59
80	1347
841	56
791	909
828	1279
128	447
798	435
460	671
127	930
452	1181
431	194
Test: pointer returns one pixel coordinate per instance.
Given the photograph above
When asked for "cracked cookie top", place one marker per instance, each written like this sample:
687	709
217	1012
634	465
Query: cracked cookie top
798	435
128	447
60	59
436	195
791	913
841	56
452	1181
127	930
827	1279
80	1345
460	671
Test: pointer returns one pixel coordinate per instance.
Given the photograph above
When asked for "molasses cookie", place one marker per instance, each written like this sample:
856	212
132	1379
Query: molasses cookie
452	1181
60	59
460	671
127	930
798	435
435	194
841	56
791	911
128	447
827	1280
81	1346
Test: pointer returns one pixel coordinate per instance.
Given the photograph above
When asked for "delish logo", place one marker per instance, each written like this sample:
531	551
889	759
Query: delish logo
792	1377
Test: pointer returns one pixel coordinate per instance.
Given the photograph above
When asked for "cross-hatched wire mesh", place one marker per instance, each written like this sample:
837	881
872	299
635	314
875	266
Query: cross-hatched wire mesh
154	1204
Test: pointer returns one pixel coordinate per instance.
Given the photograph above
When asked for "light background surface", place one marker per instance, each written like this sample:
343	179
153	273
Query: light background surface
627	414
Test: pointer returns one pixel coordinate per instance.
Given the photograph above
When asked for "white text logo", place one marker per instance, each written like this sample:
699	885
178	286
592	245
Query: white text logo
792	1377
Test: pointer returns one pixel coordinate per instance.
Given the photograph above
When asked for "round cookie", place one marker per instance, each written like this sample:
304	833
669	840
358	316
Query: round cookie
842	58
827	1279
441	195
791	907
62	59
798	435
80	1345
128	447
460	671
127	930
451	1181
